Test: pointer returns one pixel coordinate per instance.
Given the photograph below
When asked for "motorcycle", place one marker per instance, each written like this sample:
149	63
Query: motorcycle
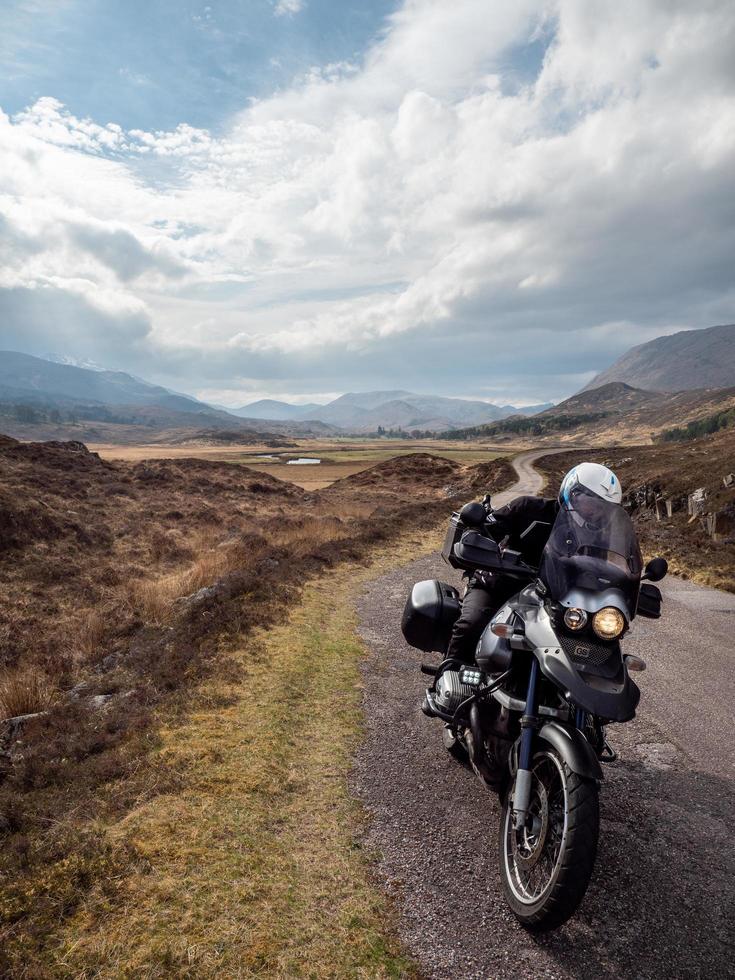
549	675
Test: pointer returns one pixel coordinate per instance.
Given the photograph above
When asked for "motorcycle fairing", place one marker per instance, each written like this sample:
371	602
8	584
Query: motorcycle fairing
613	697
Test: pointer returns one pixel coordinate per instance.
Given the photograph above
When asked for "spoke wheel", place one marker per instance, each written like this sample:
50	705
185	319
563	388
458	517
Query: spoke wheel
546	864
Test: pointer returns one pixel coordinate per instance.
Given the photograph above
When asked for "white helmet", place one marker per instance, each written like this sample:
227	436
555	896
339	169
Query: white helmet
592	478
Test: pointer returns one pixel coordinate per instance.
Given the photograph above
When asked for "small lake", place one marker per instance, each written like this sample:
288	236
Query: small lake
303	461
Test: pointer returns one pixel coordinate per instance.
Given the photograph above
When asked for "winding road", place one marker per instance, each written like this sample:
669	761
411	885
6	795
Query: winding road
661	902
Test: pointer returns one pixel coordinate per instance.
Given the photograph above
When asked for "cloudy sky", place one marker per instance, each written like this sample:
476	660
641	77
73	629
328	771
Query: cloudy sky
297	198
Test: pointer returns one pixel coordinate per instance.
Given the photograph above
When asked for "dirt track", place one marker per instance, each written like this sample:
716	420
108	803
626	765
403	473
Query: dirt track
661	899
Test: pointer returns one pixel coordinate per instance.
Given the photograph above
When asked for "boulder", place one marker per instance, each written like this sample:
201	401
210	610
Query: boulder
697	502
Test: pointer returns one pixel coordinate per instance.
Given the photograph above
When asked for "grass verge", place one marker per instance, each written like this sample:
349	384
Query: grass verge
251	866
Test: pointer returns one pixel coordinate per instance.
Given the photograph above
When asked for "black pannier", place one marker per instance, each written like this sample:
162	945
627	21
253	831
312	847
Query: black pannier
431	611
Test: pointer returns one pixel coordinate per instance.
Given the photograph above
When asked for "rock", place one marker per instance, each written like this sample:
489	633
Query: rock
108	662
269	563
729	480
658	755
99	701
199	598
697	502
78	691
10	728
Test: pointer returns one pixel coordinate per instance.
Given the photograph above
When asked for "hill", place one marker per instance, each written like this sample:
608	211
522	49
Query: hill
614	414
270	408
686	360
41	399
32	379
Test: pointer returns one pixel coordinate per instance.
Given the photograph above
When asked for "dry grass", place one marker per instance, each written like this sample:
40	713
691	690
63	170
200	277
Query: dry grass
24	691
98	553
252	866
89	632
154	599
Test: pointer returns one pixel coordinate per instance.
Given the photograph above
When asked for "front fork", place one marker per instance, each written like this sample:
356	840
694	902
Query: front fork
529	724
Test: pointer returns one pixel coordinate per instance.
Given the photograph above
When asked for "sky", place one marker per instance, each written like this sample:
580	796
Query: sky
298	198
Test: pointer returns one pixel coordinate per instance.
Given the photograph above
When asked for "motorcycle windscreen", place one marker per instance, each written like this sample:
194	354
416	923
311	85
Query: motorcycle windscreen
592	552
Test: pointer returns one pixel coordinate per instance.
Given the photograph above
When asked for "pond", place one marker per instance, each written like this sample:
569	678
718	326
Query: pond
302	461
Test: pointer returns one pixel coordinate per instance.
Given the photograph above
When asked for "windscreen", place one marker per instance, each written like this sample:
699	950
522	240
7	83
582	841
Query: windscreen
593	549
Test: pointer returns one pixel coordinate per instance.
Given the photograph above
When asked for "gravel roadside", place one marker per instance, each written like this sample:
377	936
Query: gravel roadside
661	898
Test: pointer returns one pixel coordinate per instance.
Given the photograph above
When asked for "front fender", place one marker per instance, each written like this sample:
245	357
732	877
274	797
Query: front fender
570	744
573	747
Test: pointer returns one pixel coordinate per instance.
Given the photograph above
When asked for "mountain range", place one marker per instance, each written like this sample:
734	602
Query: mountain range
682	375
366	411
53	384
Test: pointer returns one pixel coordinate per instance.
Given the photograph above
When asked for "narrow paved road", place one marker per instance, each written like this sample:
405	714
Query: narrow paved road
661	899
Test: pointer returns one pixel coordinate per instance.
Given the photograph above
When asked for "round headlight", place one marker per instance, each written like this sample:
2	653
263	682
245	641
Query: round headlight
608	623
575	619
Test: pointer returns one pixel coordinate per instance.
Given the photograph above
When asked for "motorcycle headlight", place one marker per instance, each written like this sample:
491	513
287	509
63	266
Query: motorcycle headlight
575	619
608	623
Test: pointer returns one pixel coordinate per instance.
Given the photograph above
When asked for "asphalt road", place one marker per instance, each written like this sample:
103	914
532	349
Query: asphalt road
661	902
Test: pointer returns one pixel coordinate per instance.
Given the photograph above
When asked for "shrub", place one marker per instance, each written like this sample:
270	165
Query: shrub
24	691
699	427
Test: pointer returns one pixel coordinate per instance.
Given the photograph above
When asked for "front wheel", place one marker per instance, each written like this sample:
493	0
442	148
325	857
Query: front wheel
547	864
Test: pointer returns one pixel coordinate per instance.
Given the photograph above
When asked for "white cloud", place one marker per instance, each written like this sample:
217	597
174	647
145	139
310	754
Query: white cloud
288	7
426	193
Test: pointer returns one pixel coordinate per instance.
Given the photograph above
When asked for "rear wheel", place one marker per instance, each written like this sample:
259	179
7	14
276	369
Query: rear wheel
547	864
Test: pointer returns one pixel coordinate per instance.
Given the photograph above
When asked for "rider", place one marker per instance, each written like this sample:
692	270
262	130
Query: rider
585	486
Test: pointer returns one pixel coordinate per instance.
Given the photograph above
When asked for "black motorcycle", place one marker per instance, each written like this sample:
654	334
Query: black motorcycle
549	675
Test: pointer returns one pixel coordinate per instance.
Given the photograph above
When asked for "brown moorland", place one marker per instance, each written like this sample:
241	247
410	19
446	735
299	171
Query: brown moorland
123	586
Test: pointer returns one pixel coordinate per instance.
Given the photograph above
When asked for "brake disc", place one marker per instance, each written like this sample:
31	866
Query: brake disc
529	842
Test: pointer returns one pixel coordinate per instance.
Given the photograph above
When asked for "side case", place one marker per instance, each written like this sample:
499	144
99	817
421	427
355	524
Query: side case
430	613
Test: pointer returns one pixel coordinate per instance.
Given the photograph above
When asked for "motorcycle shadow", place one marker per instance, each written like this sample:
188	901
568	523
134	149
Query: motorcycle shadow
661	899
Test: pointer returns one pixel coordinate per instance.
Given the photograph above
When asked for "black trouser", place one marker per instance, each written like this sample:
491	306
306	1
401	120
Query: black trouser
479	605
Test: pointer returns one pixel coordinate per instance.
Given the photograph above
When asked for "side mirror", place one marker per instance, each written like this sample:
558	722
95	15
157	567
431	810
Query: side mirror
472	514
655	569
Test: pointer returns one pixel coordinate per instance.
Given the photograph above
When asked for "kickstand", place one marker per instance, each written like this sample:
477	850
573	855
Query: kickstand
608	753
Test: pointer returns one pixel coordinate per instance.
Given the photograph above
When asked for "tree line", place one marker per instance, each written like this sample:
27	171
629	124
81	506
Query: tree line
699	427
